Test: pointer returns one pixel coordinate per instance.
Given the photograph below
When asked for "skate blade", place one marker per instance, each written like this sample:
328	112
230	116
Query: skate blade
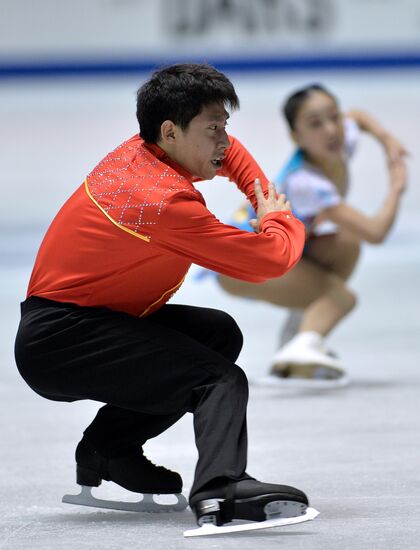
147	504
295	382
210	529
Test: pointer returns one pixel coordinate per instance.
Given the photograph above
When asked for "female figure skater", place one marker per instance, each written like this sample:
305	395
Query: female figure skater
315	181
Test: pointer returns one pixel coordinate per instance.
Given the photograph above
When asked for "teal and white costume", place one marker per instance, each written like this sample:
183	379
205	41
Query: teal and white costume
309	191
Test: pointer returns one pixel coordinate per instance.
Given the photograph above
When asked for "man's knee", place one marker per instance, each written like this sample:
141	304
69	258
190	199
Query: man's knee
236	378
227	383
229	335
234	335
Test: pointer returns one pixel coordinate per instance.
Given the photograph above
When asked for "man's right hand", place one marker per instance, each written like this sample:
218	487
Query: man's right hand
273	203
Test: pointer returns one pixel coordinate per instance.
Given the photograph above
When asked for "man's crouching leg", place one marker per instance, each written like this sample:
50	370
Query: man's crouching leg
222	489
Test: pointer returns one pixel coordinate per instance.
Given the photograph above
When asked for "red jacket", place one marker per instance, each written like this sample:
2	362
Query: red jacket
127	237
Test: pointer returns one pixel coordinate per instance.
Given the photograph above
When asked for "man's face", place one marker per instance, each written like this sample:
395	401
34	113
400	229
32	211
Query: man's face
200	148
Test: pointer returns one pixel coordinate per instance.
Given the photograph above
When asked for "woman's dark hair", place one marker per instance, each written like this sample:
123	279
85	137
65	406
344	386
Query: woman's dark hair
179	93
298	98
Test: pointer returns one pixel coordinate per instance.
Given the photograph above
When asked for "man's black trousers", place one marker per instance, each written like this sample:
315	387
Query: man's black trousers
149	371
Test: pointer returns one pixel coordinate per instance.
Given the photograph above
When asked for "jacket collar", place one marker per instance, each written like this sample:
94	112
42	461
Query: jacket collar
161	155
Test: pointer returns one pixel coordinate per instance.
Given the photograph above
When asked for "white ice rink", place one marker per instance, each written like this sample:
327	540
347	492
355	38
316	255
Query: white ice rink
354	451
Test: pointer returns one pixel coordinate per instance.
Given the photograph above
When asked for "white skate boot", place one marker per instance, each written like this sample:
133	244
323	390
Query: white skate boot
305	362
291	328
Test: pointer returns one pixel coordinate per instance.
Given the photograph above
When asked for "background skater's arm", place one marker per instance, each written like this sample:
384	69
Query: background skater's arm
394	149
372	229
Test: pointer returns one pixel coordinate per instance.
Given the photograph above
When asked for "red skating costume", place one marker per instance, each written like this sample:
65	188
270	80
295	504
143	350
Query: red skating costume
127	237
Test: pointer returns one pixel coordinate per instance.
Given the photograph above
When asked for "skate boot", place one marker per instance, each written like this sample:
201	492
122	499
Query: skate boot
133	471
248	499
304	361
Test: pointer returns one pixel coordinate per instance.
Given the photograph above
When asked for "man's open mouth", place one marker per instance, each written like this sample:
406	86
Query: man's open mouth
217	162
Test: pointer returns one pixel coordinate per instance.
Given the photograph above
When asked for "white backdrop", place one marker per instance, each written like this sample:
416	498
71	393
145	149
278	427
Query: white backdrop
143	29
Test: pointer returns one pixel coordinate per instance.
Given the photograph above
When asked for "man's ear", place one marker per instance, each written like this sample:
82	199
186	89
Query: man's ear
168	131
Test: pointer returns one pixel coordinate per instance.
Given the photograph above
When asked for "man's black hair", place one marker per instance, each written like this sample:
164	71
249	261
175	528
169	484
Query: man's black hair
179	93
298	98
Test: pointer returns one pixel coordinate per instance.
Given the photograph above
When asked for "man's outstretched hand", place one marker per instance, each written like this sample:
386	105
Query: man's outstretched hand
273	203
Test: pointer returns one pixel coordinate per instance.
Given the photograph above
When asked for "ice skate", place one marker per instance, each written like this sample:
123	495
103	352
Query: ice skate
304	362
248	505
133	472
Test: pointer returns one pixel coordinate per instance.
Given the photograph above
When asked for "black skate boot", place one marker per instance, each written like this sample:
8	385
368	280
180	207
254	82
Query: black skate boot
133	471
248	499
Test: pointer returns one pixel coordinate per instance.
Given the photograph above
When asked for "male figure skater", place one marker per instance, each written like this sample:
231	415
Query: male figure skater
96	324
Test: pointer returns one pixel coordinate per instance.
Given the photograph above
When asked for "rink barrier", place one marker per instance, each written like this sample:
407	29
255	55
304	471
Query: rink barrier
76	67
